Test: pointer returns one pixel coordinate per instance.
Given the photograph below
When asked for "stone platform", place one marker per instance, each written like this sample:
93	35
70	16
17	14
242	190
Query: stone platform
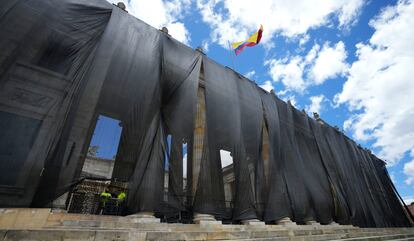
44	225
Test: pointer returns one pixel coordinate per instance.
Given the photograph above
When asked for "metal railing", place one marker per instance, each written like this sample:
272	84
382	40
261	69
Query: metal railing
86	198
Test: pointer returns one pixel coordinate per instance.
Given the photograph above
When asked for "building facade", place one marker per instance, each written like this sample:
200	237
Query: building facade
62	64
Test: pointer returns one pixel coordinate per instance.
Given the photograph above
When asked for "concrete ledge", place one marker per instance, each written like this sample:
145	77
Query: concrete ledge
23	217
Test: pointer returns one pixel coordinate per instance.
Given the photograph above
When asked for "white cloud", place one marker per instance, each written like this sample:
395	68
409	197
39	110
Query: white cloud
304	39
408	199
380	86
250	74
331	62
320	64
316	104
409	171
310	57
393	179
289	72
293	101
282	92
179	32
205	45
159	13
349	12
234	20
267	86
287	95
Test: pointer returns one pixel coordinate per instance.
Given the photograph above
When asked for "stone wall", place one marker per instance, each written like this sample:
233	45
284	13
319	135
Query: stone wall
98	167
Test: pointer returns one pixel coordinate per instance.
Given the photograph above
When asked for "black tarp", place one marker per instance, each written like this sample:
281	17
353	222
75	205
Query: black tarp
275	190
60	37
285	164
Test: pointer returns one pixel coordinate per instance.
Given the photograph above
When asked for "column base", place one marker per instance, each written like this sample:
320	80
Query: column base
313	223
144	217
253	222
208	219
286	222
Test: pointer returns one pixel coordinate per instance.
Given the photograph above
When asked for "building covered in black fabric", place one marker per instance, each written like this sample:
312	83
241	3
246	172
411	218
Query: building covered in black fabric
63	63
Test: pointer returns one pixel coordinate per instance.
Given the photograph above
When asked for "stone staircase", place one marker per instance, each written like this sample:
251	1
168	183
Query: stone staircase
44	225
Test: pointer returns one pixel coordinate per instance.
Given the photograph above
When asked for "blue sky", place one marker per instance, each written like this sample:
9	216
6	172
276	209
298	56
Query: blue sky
349	60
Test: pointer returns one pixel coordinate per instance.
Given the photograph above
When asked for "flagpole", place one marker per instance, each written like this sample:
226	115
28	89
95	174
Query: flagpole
231	56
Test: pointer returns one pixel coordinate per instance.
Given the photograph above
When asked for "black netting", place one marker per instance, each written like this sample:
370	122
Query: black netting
63	63
276	198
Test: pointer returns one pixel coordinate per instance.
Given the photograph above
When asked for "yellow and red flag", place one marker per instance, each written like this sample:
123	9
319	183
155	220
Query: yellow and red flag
251	41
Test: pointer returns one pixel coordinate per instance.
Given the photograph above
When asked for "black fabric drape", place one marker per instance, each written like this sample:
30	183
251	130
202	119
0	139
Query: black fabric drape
277	201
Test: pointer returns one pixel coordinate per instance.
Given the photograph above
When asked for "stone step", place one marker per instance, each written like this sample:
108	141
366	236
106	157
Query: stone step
66	235
194	227
292	238
339	236
174	236
42	224
329	237
382	237
133	235
254	231
254	239
178	226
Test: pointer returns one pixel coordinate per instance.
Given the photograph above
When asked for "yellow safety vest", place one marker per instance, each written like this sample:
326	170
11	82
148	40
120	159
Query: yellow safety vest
106	195
122	196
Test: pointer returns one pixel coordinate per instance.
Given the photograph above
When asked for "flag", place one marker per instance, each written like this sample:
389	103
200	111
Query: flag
251	41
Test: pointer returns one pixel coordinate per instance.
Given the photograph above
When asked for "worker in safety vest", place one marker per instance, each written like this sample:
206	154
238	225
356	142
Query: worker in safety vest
121	202
105	196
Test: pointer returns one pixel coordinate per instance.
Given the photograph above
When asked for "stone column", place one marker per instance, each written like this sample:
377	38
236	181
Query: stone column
199	132
266	166
265	153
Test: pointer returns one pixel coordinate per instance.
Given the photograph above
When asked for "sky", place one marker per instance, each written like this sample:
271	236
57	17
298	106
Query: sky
349	60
